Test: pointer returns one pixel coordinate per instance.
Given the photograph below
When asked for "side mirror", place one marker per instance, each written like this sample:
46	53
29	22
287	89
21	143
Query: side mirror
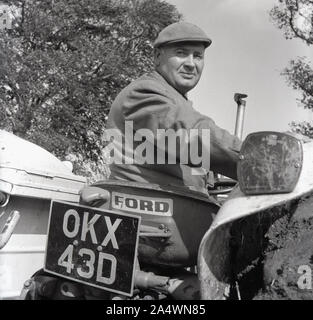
269	162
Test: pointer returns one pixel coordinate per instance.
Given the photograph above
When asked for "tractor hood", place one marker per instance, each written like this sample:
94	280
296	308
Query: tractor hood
31	171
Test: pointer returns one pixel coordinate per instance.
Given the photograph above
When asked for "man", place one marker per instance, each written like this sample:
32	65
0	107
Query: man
158	101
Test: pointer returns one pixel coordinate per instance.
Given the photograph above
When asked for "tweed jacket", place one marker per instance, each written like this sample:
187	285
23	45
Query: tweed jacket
151	102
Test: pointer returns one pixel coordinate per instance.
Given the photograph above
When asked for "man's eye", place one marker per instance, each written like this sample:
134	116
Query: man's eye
198	56
180	52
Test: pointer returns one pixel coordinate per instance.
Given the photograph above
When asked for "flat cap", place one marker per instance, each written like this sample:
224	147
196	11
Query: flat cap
181	32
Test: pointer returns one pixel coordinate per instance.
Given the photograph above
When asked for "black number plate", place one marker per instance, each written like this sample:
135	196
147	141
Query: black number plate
92	246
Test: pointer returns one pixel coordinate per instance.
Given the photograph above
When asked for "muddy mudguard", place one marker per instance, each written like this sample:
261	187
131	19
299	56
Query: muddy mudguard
214	254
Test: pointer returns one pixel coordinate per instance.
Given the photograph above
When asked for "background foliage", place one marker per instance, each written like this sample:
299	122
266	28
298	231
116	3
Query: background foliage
64	63
295	18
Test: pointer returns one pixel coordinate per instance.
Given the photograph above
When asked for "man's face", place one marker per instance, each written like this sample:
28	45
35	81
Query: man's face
181	64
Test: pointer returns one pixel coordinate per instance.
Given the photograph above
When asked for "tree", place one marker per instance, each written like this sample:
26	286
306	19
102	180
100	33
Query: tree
295	18
64	63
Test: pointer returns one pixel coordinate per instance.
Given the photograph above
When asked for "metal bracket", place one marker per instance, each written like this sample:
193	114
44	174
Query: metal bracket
8	228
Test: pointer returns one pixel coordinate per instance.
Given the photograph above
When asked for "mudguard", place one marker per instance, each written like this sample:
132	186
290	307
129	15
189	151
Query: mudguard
214	253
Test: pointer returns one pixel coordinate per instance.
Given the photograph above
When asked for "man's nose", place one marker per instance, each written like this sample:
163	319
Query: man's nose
189	61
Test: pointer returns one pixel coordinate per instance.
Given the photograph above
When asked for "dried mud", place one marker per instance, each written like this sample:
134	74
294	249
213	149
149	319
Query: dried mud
268	251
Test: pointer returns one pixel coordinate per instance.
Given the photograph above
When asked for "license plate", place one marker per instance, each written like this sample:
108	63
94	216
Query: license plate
92	246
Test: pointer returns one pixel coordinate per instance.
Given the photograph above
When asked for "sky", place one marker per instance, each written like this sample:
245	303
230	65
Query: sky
247	55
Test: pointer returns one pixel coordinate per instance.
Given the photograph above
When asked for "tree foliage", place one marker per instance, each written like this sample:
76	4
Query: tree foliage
63	65
304	128
295	18
299	75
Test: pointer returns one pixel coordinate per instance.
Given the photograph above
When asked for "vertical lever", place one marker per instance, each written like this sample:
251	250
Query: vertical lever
241	104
